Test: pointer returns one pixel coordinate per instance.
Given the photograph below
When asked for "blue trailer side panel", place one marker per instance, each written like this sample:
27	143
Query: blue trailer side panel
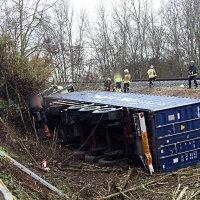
178	137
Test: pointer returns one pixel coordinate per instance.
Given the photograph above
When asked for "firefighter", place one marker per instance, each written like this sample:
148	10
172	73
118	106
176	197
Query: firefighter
110	85
152	75
107	84
192	74
59	87
127	78
113	85
118	80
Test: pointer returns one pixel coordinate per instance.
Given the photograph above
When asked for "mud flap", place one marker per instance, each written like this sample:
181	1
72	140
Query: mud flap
147	152
142	132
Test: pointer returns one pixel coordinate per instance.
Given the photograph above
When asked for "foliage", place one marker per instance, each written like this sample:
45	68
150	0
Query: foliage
20	75
6	106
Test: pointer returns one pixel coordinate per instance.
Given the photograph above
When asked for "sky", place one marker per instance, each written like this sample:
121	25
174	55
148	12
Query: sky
90	5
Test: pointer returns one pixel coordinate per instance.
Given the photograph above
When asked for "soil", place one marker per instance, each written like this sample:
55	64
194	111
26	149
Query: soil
84	185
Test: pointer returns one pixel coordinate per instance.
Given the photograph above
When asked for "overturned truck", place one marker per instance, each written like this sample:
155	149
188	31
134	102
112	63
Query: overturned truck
160	133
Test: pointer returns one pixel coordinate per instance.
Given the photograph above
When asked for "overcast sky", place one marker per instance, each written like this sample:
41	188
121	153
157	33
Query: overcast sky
90	5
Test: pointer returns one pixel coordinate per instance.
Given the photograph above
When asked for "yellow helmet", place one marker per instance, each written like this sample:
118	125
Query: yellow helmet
59	87
108	79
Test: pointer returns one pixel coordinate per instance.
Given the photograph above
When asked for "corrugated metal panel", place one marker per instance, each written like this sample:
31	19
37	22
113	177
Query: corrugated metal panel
139	101
178	137
177	123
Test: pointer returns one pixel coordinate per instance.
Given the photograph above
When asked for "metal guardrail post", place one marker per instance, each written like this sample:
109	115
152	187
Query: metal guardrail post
5	194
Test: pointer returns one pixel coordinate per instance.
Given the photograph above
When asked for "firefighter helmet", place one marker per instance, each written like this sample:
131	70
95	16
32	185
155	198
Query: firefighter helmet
126	71
59	87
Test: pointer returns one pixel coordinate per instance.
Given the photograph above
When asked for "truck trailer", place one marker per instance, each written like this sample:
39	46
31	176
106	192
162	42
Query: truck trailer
160	133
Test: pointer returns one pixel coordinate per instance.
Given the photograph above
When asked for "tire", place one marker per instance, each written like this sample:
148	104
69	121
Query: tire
104	162
102	114
77	107
98	150
124	164
89	108
117	154
108	114
104	110
86	112
74	110
80	155
93	159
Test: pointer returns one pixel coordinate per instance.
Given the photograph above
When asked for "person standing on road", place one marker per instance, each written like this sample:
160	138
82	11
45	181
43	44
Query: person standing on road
107	84
152	75
127	78
192	74
118	81
113	85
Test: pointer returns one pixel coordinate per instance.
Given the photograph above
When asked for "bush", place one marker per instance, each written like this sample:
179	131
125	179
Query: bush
20	75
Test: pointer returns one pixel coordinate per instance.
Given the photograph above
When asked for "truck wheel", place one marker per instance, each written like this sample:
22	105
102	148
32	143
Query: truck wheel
86	112
80	155
77	107
104	110
89	108
124	164
108	114
104	162
93	159
74	110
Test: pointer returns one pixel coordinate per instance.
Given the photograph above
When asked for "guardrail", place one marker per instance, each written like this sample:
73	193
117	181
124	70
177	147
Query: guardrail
32	174
5	193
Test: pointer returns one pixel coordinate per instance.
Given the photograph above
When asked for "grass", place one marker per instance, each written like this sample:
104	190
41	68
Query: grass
9	154
16	188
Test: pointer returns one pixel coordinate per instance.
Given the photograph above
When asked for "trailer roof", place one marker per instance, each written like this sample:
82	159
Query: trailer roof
138	101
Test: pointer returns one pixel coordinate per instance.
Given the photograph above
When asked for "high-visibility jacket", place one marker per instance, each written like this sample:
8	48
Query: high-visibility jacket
151	73
192	70
127	78
118	78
